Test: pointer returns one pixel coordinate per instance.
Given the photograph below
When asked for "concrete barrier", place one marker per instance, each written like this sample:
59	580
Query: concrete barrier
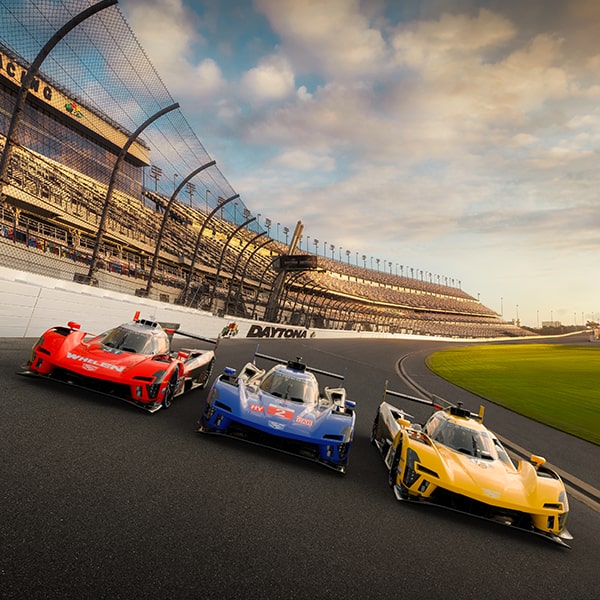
31	303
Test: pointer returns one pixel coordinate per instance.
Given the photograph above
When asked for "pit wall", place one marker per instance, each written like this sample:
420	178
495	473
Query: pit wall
31	303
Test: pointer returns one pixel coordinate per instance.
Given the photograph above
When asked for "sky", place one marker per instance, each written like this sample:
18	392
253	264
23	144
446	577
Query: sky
457	138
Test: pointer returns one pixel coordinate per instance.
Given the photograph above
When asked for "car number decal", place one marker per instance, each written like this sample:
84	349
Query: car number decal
278	411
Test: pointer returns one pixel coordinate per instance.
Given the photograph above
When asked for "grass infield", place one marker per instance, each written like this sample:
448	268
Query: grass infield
558	385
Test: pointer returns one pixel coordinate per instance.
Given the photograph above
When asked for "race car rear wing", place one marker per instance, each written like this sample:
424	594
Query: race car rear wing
197	337
437	403
298	364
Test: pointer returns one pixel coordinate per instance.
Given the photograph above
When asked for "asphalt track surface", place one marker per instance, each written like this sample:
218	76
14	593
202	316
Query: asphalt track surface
101	500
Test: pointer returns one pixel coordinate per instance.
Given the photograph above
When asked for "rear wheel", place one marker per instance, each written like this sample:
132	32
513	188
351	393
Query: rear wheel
170	390
203	379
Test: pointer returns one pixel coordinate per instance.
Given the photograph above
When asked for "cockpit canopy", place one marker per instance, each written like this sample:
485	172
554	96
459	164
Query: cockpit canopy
474	441
298	387
133	337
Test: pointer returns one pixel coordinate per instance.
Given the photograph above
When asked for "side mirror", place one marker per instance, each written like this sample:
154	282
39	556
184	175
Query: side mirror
403	423
537	461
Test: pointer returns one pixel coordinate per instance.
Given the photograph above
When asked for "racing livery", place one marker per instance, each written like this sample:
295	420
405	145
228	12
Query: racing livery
454	461
283	408
132	361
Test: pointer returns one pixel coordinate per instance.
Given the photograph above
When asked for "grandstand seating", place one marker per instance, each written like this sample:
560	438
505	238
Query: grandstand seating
51	226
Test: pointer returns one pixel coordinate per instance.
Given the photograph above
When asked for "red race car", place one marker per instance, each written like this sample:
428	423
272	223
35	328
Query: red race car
133	362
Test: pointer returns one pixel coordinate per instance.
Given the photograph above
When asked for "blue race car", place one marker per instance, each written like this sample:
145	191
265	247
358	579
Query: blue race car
282	408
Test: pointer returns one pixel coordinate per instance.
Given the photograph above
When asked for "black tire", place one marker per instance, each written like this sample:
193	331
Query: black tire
374	429
206	375
170	390
393	473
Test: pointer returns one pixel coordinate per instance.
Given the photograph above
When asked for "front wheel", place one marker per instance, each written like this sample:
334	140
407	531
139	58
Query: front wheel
393	474
170	390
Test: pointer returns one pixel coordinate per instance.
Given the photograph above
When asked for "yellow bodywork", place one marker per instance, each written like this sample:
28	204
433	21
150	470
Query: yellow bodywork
427	468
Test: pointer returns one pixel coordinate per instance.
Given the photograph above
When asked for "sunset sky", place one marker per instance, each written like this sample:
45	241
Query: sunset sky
459	138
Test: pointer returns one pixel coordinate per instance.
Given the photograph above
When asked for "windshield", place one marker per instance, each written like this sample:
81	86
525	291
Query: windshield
284	386
469	441
127	340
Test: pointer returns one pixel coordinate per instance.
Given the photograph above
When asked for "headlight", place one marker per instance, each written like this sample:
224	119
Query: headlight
153	390
410	474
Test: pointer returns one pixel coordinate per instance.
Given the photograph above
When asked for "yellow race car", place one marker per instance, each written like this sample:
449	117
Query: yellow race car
454	461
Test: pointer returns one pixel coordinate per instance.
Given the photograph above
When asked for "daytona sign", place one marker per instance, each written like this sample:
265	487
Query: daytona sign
258	331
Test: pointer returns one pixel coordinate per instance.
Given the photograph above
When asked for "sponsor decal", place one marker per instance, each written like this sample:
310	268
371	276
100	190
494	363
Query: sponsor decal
88	367
275	425
230	330
257	408
74	109
94	363
278	411
275	332
304	421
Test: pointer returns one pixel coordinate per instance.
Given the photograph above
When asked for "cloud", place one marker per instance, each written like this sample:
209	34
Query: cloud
170	48
333	38
432	44
271	80
304	161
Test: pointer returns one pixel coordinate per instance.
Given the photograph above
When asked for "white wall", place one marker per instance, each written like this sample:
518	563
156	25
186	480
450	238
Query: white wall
30	304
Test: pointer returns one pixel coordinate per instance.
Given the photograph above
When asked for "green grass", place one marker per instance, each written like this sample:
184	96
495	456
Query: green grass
558	385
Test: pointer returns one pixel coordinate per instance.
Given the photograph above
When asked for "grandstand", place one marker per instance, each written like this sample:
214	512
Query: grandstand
57	185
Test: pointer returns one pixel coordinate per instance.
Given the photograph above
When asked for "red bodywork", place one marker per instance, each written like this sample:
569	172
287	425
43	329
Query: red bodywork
132	361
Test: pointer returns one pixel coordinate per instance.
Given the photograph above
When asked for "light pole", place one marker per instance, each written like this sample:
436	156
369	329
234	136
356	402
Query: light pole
155	173
190	188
